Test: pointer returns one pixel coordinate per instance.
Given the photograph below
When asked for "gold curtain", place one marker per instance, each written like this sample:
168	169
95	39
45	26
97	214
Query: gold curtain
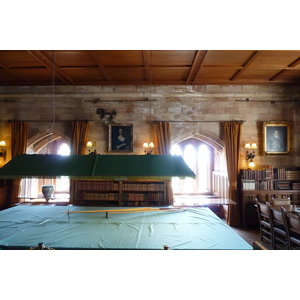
231	136
19	138
162	141
79	139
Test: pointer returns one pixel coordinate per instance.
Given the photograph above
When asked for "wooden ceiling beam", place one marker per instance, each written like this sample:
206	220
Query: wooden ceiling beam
48	62
14	72
100	64
290	66
251	59
147	63
196	65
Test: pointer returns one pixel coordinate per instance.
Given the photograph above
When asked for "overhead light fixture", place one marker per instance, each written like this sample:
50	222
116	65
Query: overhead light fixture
134	167
90	145
148	147
250	154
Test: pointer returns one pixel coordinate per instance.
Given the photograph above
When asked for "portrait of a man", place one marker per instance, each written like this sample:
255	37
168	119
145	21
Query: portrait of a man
120	136
278	137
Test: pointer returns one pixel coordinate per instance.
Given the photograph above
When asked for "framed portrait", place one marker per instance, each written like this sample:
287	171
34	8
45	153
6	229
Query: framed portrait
120	138
278	137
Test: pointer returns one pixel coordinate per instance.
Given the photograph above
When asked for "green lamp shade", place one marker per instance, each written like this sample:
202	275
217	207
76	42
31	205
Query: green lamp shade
96	167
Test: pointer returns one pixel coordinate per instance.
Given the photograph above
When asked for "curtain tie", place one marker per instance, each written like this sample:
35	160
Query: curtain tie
233	183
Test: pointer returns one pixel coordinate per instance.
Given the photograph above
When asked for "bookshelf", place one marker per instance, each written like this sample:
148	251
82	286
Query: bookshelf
120	193
264	185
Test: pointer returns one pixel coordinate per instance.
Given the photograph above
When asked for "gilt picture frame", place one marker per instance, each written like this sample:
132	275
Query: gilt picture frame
278	138
120	138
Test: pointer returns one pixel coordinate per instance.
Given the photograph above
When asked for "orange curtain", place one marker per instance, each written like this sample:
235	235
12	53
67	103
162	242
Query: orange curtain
79	139
231	136
162	142
19	138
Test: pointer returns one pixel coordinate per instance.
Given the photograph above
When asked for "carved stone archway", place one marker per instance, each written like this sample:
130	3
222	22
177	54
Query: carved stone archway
213	141
39	142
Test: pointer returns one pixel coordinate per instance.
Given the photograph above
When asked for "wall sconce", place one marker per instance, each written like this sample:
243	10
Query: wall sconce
3	151
90	145
250	154
148	148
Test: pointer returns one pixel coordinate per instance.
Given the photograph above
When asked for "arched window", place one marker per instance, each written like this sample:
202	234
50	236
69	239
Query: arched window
199	157
32	188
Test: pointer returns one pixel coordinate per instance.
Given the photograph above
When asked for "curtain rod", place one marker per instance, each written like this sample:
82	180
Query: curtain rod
47	121
200	121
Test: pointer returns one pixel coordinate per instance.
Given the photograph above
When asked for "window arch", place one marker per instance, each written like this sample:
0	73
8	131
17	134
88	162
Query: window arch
199	156
45	143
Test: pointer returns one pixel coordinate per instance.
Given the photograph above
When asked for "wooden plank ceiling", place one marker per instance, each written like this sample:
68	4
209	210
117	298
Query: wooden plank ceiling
156	67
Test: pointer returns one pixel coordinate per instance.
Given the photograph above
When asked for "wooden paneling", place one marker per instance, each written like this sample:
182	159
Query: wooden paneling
157	67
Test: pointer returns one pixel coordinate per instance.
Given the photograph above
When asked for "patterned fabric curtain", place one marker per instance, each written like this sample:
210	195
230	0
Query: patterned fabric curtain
19	138
79	139
162	141
231	136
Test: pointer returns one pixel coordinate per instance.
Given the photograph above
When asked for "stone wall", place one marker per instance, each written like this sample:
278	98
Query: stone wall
192	109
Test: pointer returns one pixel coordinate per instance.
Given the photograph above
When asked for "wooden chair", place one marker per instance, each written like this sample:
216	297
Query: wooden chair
264	222
281	201
258	246
280	236
292	224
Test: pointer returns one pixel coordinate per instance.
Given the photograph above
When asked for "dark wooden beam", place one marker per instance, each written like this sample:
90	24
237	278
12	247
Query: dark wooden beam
280	73
251	59
50	64
196	65
147	62
100	64
12	71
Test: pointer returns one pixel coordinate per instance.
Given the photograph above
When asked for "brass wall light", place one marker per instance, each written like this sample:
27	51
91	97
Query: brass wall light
250	154
3	151
148	147
90	145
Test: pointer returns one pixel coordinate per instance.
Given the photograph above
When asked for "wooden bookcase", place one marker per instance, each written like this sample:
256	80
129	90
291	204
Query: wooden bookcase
264	185
120	193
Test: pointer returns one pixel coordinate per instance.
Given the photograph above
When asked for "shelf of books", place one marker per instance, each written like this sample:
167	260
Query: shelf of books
264	185
120	193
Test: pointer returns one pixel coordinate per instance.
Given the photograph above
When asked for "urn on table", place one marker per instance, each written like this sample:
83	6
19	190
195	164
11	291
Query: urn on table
48	191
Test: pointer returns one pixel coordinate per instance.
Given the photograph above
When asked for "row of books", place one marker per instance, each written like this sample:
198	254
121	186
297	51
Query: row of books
98	196
268	185
142	203
98	185
250	198
252	185
142	186
143	197
270	173
114	186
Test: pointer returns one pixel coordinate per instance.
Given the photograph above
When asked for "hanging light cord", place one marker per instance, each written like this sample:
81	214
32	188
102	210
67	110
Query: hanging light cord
52	116
53	91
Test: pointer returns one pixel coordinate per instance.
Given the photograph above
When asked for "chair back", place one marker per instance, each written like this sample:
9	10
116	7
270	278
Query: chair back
293	223
281	201
258	246
263	212
276	216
